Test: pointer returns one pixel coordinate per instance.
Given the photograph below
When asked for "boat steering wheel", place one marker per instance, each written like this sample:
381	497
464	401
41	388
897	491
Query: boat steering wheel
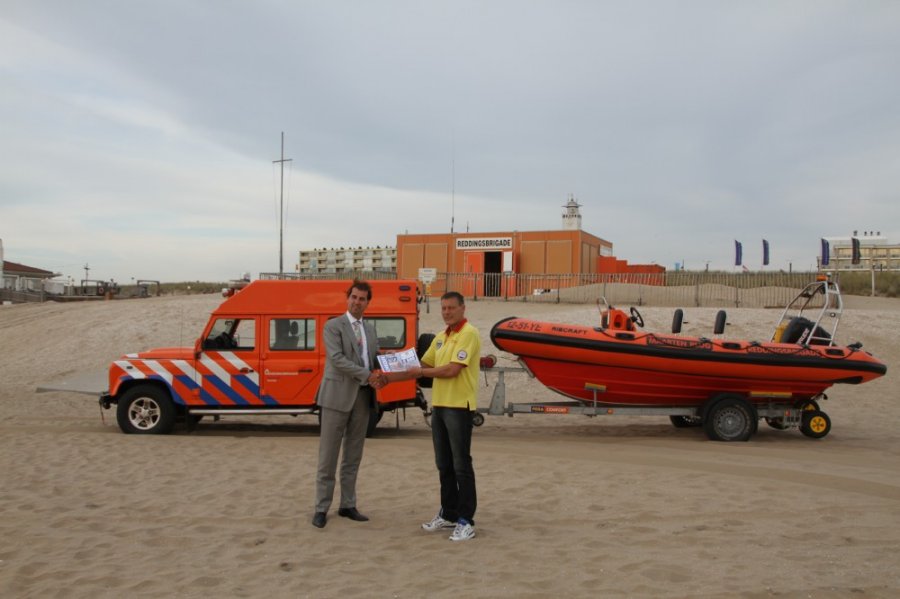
636	317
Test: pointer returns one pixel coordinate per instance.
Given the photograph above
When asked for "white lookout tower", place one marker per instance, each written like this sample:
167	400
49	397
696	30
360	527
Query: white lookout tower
571	218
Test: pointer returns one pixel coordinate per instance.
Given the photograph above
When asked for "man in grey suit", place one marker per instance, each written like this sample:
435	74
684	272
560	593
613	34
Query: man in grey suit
345	397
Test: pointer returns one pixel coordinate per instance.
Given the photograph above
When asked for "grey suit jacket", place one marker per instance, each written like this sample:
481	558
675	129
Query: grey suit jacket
344	369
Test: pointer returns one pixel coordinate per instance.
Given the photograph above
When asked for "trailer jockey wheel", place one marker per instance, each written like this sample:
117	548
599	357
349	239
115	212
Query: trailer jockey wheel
477	419
636	317
815	424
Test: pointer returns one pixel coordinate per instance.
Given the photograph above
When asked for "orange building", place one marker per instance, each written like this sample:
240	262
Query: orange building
501	255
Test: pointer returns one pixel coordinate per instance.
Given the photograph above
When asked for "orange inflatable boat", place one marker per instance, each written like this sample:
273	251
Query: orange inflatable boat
619	364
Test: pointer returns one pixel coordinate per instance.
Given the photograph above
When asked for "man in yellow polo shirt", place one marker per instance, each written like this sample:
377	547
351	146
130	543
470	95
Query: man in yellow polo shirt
453	361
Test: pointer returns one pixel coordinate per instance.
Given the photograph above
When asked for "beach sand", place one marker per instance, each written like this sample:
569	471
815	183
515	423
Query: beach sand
569	506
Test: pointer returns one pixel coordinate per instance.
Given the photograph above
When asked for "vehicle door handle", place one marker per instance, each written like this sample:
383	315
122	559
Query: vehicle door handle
305	370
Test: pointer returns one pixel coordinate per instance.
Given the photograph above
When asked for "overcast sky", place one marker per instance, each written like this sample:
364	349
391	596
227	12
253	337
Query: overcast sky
138	137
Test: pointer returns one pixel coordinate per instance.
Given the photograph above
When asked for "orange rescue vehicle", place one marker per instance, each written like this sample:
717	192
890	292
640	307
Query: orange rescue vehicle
261	353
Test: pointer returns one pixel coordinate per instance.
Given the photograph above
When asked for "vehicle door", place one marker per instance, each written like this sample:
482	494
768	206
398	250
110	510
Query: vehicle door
228	365
291	366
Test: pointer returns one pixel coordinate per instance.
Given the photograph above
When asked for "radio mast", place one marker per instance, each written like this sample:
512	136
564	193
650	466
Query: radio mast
281	212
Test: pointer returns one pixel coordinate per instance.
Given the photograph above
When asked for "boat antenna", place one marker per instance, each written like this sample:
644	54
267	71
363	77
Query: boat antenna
281	212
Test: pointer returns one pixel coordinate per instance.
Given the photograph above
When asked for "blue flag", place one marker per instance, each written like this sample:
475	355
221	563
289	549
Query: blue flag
738	253
765	252
826	252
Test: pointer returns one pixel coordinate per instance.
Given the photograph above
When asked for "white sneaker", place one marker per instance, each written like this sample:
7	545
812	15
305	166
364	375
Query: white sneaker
437	523
463	531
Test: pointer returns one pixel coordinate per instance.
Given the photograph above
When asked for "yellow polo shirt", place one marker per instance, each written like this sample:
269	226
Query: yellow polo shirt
463	347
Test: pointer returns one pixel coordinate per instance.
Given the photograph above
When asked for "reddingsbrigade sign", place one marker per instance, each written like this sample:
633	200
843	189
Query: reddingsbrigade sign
484	243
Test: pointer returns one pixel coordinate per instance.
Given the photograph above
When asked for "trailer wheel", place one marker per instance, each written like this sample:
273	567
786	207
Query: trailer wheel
686	421
477	419
730	418
146	410
815	424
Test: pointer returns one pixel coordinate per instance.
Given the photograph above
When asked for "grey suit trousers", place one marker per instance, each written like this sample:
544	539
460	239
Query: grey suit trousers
349	429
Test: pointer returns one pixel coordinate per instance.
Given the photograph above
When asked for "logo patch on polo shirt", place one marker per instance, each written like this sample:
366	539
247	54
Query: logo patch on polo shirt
439	344
462	355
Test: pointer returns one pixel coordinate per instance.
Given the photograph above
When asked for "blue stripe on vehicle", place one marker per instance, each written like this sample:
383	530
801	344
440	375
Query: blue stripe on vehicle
208	399
227	390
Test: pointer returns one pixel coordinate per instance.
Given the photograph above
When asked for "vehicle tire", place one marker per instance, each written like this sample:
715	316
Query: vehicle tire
685	421
730	418
146	410
375	415
477	419
815	424
422	345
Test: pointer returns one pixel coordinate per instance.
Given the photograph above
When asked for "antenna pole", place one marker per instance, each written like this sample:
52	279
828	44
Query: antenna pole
452	180
281	212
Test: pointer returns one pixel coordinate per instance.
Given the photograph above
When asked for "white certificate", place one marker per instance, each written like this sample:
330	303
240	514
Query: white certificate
399	361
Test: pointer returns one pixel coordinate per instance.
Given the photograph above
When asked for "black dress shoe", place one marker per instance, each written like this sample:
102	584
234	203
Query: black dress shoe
353	514
319	520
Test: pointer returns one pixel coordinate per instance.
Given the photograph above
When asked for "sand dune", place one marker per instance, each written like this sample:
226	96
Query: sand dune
568	506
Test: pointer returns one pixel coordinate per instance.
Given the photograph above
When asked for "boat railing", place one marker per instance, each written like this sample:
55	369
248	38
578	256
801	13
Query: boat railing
818	308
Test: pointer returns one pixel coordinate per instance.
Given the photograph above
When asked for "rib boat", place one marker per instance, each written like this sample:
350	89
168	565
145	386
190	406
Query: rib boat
620	364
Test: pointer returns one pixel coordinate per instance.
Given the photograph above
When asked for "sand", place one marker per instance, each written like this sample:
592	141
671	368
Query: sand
569	506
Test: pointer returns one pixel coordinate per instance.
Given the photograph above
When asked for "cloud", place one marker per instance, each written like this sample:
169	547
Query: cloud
141	136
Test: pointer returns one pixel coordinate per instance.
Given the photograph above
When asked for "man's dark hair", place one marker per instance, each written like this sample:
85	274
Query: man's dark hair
362	286
455	295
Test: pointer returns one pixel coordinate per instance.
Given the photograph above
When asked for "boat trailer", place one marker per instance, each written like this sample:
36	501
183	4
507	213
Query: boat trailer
776	408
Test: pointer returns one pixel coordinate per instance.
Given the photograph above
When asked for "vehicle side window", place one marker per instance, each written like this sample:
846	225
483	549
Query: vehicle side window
231	333
391	332
292	334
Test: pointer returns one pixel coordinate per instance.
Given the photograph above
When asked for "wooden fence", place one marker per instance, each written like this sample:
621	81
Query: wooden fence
675	289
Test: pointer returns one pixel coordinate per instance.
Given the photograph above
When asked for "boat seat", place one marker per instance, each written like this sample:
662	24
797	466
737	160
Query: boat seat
616	319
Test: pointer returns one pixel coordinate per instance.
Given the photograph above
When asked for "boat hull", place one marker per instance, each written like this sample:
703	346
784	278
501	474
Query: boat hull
648	369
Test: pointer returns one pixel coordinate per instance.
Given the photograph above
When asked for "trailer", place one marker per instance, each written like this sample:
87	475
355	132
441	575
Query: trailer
777	409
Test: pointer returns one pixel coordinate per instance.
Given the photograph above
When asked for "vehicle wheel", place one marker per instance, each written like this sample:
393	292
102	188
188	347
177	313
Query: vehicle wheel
422	345
685	421
777	423
477	419
815	424
375	415
731	418
146	410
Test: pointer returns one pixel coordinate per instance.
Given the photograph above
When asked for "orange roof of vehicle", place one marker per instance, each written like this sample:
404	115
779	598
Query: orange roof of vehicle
317	297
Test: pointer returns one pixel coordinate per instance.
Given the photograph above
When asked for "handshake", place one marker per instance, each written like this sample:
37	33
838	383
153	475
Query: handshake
378	378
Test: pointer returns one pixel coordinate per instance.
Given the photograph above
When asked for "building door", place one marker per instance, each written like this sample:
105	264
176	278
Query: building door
493	263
